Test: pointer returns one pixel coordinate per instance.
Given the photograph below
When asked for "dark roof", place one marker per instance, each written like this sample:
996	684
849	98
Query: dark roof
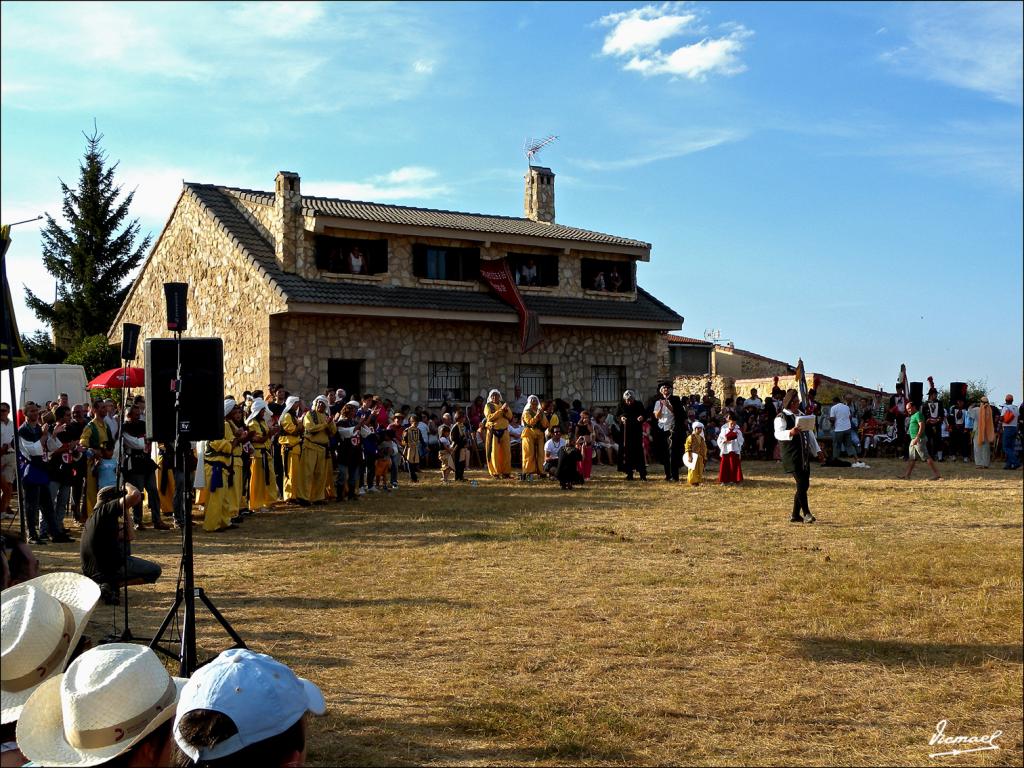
296	288
382	213
676	339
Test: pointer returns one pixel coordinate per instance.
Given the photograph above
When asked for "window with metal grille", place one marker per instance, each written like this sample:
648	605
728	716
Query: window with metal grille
607	383
448	381
535	380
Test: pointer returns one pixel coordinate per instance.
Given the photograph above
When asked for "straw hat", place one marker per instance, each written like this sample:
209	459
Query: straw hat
42	622
110	699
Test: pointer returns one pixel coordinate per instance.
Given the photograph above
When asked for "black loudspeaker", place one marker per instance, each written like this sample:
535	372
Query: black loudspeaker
917	393
202	389
177	306
129	340
957	391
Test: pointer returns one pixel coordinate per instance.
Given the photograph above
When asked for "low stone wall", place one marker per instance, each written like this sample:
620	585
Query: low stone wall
722	387
396	354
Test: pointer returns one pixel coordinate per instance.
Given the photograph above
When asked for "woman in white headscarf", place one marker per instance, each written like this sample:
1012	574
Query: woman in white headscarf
497	417
696	454
290	441
535	421
262	481
317	428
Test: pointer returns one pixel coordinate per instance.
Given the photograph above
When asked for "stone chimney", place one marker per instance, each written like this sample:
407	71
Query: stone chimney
287	220
539	201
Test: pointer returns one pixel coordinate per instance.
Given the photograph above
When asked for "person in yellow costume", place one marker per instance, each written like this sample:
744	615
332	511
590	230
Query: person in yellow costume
165	476
223	471
290	440
262	481
316	428
535	421
95	436
497	416
696	454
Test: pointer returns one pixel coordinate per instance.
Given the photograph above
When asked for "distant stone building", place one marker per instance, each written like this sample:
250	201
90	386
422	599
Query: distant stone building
698	367
313	293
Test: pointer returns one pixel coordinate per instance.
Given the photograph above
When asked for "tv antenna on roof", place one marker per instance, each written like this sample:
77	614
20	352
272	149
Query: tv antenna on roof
532	147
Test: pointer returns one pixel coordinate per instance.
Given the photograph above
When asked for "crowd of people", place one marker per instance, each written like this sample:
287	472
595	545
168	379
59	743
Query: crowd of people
68	702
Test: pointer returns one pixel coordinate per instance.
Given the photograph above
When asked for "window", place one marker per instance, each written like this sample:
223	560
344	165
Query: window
611	276
535	380
607	383
348	256
689	361
448	381
533	269
437	262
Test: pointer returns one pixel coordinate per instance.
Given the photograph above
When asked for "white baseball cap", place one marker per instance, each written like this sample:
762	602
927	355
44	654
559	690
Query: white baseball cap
262	696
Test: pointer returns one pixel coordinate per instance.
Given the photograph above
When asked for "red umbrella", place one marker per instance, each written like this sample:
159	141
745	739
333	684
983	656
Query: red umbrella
118	378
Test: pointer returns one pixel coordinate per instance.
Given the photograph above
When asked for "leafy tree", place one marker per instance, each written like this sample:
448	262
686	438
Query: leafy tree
91	259
40	349
95	354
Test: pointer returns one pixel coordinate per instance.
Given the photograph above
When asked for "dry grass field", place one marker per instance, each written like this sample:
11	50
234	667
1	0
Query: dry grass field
633	623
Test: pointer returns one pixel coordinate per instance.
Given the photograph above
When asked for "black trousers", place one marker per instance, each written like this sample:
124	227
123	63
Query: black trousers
933	436
802	475
460	466
676	443
279	469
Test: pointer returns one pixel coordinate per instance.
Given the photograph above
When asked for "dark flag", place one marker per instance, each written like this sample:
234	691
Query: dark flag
11	352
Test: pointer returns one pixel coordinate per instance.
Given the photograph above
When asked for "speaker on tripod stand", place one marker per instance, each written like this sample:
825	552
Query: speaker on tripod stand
186	400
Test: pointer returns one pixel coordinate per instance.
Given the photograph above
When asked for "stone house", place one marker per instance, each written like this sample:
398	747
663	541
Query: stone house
313	293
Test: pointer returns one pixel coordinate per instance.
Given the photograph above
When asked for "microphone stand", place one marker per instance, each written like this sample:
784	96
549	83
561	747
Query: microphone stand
126	633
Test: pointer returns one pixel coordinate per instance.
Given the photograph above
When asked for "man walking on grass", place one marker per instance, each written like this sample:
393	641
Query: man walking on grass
918	447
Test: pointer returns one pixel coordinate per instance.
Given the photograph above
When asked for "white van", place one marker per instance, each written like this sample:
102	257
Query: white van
40	383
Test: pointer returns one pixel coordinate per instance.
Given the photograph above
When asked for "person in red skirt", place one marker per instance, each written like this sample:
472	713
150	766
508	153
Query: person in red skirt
730	443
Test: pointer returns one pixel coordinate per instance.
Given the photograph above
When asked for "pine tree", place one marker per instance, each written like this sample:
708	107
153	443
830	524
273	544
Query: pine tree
90	259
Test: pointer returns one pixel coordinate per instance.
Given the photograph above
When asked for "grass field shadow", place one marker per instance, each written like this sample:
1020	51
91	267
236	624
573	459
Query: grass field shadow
901	652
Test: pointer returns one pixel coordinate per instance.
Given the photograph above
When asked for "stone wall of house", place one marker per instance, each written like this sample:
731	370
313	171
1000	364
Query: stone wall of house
742	365
227	297
396	353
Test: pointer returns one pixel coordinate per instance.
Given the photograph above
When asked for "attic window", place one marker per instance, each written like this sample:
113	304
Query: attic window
436	262
534	269
610	276
351	256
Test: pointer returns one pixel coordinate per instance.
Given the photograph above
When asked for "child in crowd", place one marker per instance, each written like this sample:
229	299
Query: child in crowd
106	468
696	454
382	464
369	440
445	453
730	443
411	444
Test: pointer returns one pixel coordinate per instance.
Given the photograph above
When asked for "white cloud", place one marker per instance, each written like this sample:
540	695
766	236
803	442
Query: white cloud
641	30
676	147
317	57
638	35
976	46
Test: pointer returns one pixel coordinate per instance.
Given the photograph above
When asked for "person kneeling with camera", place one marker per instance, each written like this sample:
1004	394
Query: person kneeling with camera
106	539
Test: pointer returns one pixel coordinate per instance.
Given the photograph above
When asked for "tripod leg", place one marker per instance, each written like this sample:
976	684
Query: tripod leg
239	642
155	642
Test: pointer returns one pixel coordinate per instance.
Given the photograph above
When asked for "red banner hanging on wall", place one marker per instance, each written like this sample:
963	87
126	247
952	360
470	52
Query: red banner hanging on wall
498	276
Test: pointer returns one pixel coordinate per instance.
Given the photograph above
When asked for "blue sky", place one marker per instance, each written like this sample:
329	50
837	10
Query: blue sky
841	182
